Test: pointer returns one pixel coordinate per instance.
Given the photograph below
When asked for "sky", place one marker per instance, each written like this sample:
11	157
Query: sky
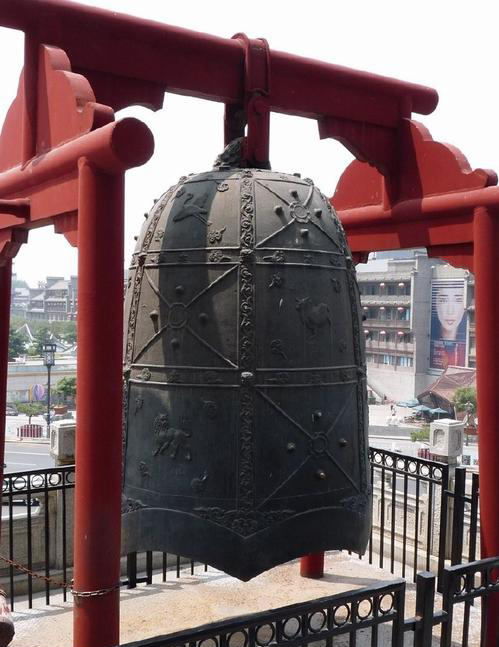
451	46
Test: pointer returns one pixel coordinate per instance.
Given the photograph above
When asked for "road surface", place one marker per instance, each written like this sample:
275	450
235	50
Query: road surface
22	456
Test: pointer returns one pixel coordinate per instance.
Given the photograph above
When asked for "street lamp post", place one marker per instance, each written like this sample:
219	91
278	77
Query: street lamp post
48	351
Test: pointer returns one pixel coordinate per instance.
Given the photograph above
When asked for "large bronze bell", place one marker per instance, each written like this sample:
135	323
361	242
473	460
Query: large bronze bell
245	405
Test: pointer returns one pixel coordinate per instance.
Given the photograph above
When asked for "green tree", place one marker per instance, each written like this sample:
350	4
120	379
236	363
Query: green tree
17	343
462	396
31	409
66	387
68	332
421	434
42	336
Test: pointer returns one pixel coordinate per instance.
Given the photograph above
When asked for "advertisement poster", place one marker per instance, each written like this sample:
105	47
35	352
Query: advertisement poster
448	323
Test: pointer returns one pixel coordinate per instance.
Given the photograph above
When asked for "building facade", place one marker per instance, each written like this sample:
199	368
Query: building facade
418	318
55	299
23	378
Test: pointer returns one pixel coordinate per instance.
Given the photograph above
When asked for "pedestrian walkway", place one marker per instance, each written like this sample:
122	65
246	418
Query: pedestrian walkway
379	414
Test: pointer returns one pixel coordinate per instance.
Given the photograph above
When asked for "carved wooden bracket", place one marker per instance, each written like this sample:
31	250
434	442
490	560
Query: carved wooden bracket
10	243
392	209
370	143
424	167
63	108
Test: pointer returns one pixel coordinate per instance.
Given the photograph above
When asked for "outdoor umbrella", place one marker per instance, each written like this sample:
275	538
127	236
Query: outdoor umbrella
438	411
408	403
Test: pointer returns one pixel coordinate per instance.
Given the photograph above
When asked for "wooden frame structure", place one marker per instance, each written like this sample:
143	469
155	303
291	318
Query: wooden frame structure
62	162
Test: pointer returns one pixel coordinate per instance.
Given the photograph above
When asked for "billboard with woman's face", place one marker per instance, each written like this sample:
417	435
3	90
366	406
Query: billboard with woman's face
448	323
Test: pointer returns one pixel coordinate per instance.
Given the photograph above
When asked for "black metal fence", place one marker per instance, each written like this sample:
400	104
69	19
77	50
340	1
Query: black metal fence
36	552
372	616
37	542
418	524
418	521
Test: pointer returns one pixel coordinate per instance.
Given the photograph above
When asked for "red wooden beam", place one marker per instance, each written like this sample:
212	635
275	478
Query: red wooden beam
145	58
115	148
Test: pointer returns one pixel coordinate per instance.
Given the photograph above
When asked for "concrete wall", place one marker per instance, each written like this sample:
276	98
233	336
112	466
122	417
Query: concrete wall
397	383
22	376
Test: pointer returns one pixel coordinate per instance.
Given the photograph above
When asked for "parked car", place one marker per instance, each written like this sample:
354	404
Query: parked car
10	411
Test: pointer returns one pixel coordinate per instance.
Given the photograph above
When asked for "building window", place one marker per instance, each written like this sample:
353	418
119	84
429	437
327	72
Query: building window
403	288
404	361
370	289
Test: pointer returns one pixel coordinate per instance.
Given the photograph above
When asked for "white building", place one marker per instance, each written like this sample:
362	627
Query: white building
402	300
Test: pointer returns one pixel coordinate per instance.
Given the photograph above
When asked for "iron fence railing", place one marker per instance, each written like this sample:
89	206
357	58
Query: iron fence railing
373	616
404	486
418	523
32	493
37	538
419	520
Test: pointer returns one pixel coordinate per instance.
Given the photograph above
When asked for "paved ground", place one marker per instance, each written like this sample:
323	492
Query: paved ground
381	414
188	602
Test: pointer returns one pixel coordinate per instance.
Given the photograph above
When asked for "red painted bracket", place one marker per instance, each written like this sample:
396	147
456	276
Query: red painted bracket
64	122
13	215
429	202
370	143
254	110
64	108
10	243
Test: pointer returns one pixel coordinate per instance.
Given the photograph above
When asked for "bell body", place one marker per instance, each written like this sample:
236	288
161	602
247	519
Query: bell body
245	406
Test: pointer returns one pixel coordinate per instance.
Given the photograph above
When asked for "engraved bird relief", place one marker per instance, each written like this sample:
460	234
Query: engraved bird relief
193	209
138	404
198	484
312	316
169	439
277	348
210	409
276	281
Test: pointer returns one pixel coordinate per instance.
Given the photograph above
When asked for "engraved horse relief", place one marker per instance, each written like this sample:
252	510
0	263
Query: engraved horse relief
170	439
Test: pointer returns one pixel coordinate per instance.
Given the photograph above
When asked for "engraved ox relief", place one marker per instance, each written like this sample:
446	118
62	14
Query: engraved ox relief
312	316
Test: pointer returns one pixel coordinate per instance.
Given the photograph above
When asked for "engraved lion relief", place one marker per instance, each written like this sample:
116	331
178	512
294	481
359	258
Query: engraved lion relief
172	440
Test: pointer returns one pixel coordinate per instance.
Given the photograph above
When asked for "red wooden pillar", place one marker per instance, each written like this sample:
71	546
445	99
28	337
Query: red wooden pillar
312	565
99	406
486	246
5	287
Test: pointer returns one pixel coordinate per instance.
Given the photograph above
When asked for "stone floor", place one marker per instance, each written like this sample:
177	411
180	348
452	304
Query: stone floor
190	601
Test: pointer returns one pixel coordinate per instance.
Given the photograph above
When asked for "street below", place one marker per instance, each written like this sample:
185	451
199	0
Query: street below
22	456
